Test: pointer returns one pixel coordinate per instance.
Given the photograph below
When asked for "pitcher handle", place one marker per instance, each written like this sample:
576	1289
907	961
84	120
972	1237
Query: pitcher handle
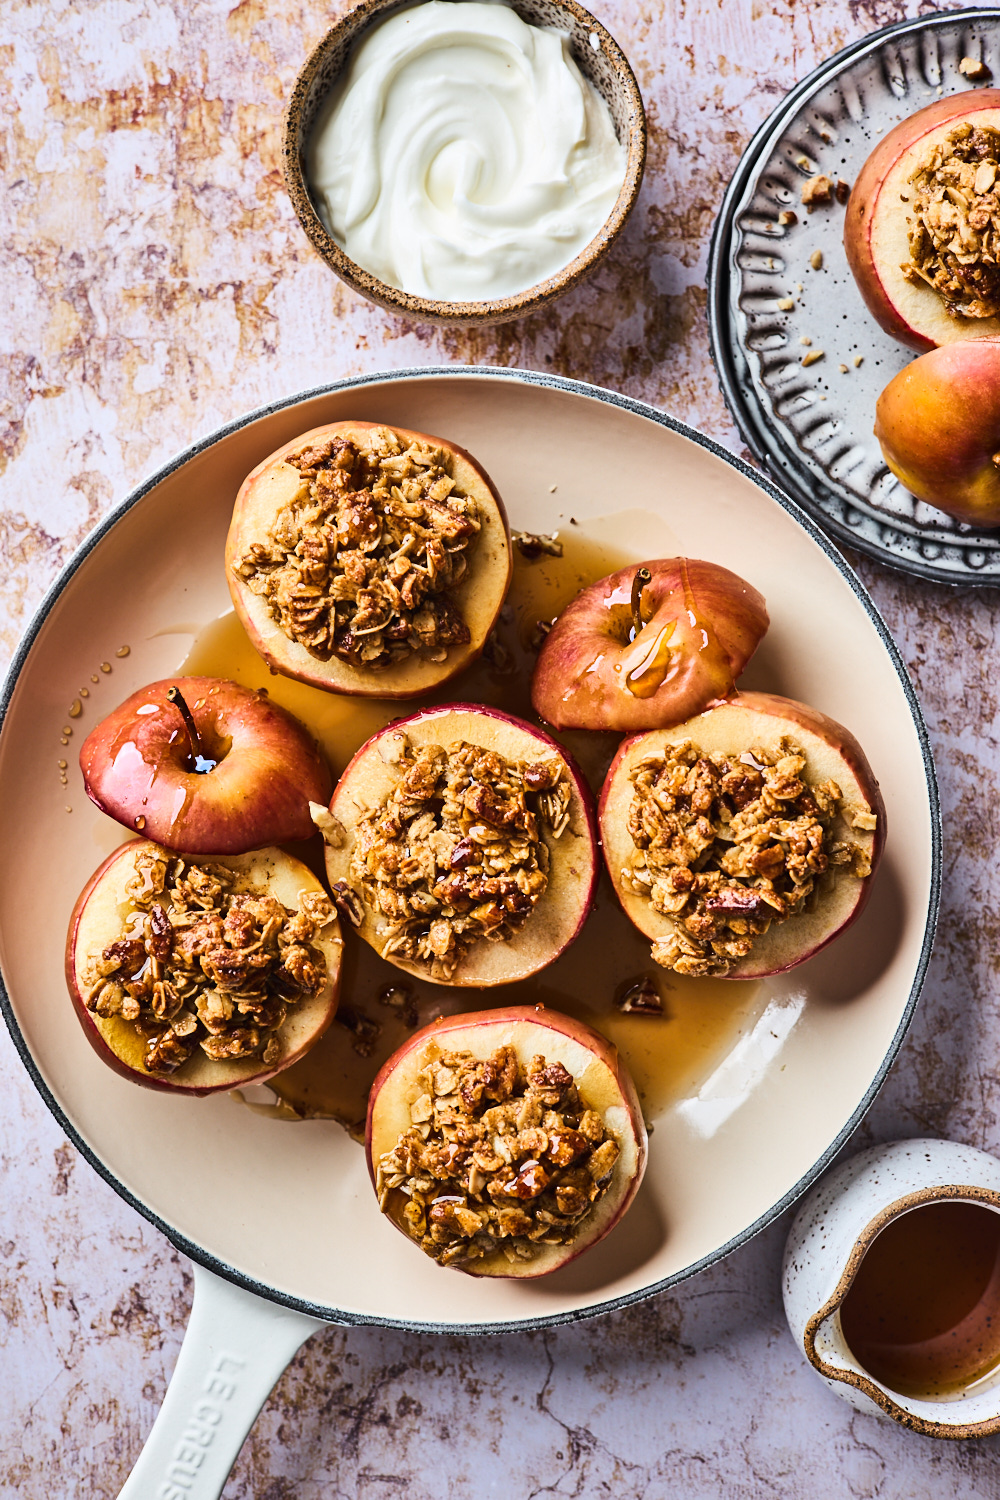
235	1347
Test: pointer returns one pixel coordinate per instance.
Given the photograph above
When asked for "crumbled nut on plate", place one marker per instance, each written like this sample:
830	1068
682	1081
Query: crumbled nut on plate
497	1157
202	963
974	67
786	304
787	218
818	189
361	563
816	260
727	846
456	852
813	356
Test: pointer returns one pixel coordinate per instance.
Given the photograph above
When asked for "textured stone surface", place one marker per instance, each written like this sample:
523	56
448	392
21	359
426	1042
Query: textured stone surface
156	284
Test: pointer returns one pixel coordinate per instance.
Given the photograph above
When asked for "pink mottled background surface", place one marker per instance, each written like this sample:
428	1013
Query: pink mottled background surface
155	285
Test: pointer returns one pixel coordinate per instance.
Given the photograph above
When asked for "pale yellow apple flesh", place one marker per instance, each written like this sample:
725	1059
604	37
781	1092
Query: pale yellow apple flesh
274	483
831	752
598	1072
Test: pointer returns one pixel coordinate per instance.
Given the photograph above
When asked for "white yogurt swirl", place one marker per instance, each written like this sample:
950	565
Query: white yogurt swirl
463	156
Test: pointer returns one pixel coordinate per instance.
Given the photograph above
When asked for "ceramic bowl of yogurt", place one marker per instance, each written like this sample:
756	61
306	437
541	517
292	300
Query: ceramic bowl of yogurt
464	161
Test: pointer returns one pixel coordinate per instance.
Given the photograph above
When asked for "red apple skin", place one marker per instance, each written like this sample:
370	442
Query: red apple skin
502	1025
273	482
229	1076
866	204
788	945
938	425
348	797
134	768
718	619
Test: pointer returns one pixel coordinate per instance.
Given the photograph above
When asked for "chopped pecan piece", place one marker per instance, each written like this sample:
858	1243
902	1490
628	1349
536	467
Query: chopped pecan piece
220	964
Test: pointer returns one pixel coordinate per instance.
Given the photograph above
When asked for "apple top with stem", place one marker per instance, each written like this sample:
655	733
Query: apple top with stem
648	646
876	225
938	425
205	766
602	1079
273	485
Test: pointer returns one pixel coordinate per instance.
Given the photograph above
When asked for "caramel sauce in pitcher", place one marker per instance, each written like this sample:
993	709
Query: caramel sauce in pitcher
669	1055
922	1314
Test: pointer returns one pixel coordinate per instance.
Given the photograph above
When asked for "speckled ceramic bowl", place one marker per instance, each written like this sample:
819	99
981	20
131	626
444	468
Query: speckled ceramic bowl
599	59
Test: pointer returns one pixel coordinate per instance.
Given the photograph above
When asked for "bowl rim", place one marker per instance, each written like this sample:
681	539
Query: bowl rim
347	30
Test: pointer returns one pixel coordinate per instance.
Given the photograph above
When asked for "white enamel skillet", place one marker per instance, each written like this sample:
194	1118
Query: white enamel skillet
280	1219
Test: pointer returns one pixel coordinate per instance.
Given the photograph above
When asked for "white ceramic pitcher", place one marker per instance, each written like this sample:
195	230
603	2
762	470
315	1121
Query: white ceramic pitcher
835	1226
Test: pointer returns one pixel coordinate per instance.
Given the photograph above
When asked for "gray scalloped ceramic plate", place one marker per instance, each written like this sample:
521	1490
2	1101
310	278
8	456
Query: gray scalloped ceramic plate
812	425
287	1210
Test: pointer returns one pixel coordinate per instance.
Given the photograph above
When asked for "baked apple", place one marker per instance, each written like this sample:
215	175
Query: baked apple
505	1142
461	844
647	647
194	975
745	840
938	425
205	766
368	560
922	227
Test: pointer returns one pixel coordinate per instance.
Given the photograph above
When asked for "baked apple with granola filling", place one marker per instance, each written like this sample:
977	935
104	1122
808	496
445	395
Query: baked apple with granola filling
206	766
195	975
505	1142
369	560
647	646
461	844
745	840
922	225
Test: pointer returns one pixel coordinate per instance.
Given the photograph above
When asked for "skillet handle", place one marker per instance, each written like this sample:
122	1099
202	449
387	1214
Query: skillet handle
236	1346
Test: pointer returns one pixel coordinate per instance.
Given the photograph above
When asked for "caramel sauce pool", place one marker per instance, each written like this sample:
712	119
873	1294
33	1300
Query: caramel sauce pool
669	1056
922	1314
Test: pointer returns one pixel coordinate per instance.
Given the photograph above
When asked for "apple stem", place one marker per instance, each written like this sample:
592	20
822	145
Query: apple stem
642	577
196	749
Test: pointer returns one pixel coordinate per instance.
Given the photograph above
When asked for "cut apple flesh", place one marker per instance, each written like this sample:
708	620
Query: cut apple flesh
735	906
108	913
480	866
558	1158
269	496
250	788
647	646
876	225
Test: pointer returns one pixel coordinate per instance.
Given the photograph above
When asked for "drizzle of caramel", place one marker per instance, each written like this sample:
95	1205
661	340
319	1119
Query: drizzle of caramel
653	668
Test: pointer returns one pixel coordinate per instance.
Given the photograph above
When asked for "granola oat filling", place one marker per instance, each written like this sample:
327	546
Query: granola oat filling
954	222
498	1157
726	846
203	963
456	853
361	563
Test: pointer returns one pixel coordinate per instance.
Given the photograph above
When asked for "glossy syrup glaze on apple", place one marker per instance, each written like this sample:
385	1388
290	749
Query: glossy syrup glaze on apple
669	1055
658	652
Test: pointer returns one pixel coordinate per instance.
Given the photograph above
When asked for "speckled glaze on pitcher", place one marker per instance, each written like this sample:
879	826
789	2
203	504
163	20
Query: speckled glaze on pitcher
829	1238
